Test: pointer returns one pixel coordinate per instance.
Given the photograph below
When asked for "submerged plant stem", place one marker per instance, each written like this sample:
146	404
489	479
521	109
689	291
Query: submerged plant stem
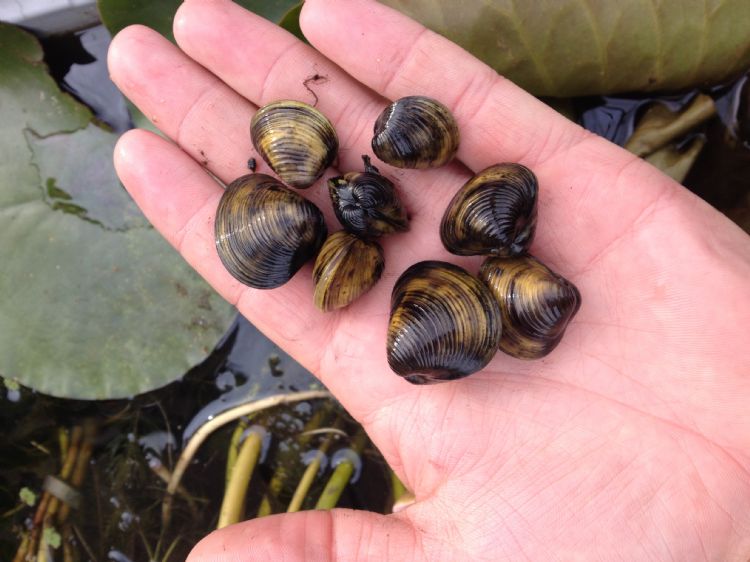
300	493
219	421
341	476
232	507
234	447
281	473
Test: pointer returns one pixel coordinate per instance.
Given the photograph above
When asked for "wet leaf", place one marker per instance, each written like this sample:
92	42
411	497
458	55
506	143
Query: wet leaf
660	126
95	303
577	47
117	14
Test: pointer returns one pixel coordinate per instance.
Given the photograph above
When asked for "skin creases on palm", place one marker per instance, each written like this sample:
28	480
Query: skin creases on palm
630	441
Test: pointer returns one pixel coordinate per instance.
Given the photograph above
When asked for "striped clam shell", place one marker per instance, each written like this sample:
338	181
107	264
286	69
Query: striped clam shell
494	213
346	268
444	324
366	203
416	132
296	140
265	231
536	304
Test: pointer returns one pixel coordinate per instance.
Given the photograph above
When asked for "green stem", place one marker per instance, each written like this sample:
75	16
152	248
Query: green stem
234	447
341	476
281	474
219	421
304	484
232	507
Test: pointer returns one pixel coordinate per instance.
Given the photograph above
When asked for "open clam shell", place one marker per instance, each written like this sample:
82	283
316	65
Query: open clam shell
366	203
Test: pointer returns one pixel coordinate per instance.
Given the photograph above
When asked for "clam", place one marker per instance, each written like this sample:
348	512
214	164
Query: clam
265	231
444	324
416	132
296	140
366	203
494	213
346	268
536	304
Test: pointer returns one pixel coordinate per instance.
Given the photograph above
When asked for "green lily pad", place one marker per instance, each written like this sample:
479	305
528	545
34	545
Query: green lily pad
577	47
95	302
117	14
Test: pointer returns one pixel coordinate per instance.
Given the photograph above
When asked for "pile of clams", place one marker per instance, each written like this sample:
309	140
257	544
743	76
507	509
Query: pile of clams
444	322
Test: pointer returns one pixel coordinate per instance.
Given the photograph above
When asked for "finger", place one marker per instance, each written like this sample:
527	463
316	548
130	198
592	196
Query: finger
340	534
211	121
187	103
577	186
587	184
265	63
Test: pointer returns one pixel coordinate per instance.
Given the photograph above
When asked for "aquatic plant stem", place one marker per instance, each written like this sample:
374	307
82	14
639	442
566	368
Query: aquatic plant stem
311	471
335	486
232	507
48	504
282	471
331	494
219	421
234	447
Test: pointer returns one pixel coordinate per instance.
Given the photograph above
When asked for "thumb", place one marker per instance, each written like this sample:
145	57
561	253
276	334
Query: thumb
340	534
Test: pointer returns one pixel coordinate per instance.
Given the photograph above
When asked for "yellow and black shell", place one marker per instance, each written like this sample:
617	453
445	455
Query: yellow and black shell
265	231
416	132
296	140
346	268
366	203
494	213
536	304
444	324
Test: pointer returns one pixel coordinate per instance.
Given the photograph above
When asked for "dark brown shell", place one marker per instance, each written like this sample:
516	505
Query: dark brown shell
265	231
346	268
416	132
444	325
536	304
494	213
366	203
296	140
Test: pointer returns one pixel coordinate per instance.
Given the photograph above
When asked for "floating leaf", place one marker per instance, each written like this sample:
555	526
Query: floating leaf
95	303
577	47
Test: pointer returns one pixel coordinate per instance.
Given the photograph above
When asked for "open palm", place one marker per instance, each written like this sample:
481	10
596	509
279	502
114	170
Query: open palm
630	441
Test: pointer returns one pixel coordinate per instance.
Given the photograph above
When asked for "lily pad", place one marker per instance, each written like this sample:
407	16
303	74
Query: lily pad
95	303
577	47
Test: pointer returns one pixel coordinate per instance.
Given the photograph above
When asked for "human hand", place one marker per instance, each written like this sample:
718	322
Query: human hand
630	441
